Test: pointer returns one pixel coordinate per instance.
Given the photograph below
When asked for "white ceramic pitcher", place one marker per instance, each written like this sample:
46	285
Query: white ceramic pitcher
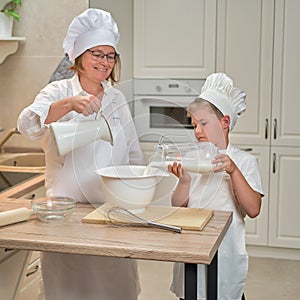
72	135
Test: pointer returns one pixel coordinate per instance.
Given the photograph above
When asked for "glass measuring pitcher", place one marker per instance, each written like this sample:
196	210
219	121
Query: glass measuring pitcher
194	157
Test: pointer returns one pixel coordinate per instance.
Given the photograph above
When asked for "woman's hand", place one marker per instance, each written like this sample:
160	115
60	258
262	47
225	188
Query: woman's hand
82	104
86	105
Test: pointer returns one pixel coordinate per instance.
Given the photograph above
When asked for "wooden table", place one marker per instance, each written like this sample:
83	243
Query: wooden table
73	236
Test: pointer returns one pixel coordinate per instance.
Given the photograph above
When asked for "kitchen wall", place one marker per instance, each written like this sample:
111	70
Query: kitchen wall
122	12
23	74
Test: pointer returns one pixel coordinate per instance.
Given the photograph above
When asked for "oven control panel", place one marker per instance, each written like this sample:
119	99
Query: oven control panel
175	87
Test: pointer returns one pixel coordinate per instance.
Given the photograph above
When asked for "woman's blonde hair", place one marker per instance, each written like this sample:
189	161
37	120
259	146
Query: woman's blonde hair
114	76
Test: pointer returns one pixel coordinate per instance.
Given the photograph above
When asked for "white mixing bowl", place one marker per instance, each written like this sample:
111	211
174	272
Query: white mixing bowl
130	187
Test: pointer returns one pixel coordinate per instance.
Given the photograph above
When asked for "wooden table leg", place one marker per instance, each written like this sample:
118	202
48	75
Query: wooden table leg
212	279
190	282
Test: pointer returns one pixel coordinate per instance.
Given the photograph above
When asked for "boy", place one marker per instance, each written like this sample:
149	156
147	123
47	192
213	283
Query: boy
234	184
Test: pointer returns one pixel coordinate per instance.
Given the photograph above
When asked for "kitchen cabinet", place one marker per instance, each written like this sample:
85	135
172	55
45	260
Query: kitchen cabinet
28	287
257	229
20	273
256	46
5	253
284	224
12	263
244	52
284	205
248	31
174	38
286	64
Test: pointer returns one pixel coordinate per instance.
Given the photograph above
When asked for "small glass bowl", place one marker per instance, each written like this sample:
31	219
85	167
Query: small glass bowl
53	209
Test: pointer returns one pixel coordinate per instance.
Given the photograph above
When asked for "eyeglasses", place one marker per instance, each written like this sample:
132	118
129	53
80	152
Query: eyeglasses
98	56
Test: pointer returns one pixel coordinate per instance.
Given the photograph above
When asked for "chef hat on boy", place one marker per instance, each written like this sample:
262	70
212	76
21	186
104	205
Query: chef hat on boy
93	27
218	89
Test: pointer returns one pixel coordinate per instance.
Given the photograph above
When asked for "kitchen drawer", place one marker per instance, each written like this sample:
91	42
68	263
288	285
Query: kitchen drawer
33	271
6	252
29	287
11	270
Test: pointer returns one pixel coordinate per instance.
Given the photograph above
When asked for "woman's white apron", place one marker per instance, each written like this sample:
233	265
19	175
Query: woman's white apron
77	277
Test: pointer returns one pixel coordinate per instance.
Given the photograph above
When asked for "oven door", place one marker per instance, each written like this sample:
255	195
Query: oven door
163	116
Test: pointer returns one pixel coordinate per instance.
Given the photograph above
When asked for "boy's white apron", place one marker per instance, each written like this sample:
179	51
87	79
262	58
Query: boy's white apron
77	277
215	192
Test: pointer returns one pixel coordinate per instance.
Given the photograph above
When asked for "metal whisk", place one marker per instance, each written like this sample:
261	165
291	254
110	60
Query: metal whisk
123	217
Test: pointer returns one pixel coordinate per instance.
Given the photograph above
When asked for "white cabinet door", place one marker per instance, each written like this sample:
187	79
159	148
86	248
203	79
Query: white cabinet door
244	52
257	228
30	281
284	224
174	38
257	46
11	269
285	98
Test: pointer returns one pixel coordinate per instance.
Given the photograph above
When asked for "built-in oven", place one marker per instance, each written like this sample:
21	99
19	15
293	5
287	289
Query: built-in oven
159	108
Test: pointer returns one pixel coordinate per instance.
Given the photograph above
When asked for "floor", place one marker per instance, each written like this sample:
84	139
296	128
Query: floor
268	279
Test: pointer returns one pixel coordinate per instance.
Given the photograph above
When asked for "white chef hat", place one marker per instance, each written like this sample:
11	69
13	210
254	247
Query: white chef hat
94	27
218	89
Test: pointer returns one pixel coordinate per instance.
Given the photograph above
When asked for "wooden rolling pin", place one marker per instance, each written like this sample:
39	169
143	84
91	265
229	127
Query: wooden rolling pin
15	216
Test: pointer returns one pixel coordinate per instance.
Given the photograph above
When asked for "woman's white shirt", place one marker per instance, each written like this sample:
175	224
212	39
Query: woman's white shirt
71	276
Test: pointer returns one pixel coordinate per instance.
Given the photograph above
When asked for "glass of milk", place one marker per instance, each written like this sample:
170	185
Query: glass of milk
194	157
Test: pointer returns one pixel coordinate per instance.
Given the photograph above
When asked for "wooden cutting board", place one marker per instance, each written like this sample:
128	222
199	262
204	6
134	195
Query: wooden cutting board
186	218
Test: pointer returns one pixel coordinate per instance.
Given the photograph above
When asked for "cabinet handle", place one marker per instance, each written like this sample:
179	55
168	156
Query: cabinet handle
36	268
266	128
247	149
275	129
274	163
8	249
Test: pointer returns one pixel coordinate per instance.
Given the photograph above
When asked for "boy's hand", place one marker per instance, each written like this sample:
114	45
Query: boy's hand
180	172
224	163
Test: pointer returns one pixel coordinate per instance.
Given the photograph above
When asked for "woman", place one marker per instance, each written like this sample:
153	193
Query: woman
91	41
